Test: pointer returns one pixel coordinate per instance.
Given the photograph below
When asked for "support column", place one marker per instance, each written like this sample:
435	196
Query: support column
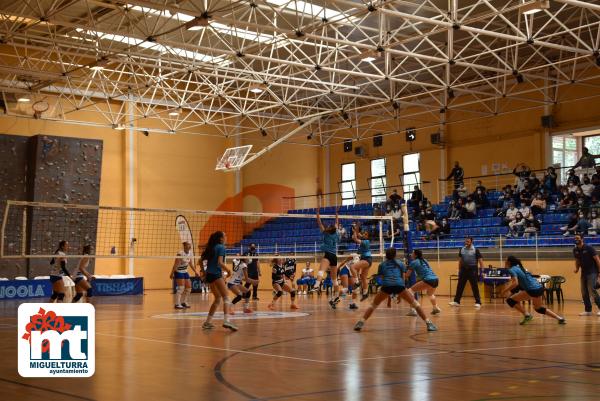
131	179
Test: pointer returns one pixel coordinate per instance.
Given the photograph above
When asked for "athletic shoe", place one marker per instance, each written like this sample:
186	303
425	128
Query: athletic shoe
526	319
477	306
585	314
431	326
247	310
294	306
411	312
255	299
363	297
230	326
332	303
353	306
179	306
598	313
271	307
208	326
562	321
359	325
453	303
436	311
185	305
232	312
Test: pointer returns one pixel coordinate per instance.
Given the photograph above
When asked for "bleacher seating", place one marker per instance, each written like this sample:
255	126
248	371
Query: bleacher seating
295	235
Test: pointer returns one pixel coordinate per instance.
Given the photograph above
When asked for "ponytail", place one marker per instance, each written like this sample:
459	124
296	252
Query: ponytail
514	261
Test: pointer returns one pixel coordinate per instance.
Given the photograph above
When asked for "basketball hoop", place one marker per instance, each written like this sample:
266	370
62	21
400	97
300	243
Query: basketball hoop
233	158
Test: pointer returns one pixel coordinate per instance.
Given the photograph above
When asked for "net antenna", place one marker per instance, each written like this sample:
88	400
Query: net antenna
228	162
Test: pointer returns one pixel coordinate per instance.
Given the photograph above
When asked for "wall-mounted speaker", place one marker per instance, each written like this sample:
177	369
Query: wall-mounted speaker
377	141
411	134
359	151
348	145
548	121
436	139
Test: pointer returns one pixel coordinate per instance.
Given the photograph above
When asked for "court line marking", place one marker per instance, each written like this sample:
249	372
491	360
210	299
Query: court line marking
212	348
463	351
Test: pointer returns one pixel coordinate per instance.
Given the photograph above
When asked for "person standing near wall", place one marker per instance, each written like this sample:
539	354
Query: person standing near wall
457	174
468	259
587	260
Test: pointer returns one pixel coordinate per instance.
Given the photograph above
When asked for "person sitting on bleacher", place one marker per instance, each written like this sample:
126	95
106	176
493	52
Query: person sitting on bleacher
444	228
571	225
397	214
458	210
550	180
567	199
594	228
517	226
511	214
596	176
532	226
525	195
470	208
534	183
504	201
587	188
395	200
459	193
572	179
582	201
480	197
538	204
525	211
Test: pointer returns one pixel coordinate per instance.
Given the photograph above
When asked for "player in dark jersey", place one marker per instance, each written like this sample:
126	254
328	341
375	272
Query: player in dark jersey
290	272
279	283
58	270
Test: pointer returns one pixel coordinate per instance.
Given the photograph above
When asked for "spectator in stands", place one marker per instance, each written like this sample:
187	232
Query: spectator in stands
532	227
550	180
538	204
429	213
525	211
388	210
525	195
522	172
480	186
534	183
432	229
444	228
567	199
395	199
470	208
457	174
511	214
583	225
342	232
517	226
594	223
377	210
397	232
587	188
480	197
596	176
397	214
416	197
588	262
571	225
460	192
587	159
544	194
458	211
572	179
582	201
505	200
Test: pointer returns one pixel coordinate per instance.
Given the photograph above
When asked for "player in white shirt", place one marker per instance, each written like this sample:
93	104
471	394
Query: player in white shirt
179	272
58	270
83	277
239	274
348	277
307	280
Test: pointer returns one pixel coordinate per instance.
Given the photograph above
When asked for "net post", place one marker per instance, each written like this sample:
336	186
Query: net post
392	232
381	244
3	232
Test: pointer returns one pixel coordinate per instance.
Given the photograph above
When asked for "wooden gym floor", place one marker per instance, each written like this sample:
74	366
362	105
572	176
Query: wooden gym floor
475	355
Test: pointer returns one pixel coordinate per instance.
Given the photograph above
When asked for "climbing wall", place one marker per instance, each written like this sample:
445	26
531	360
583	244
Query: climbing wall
13	185
56	170
67	170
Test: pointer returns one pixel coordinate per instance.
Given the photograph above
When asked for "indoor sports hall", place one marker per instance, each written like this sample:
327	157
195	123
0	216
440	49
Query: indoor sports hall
299	200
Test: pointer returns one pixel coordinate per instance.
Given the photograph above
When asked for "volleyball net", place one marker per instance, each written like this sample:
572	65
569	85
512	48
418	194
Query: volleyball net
34	229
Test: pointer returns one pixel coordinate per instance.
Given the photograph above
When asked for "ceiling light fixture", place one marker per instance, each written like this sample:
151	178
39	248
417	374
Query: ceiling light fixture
533	7
23	100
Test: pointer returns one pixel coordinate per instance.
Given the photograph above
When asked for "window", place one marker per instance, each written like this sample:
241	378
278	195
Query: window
378	181
592	143
564	152
411	172
348	184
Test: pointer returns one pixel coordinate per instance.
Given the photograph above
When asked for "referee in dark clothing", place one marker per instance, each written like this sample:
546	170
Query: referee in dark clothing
587	260
253	271
468	260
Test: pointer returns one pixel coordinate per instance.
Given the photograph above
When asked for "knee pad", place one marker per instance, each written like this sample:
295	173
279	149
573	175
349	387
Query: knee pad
54	295
90	292
293	294
187	290
415	304
279	294
320	274
179	289
247	295
541	310
61	296
237	299
227	300
511	302
77	297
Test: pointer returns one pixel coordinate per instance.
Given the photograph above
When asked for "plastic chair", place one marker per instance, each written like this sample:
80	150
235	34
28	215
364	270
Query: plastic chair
554	286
